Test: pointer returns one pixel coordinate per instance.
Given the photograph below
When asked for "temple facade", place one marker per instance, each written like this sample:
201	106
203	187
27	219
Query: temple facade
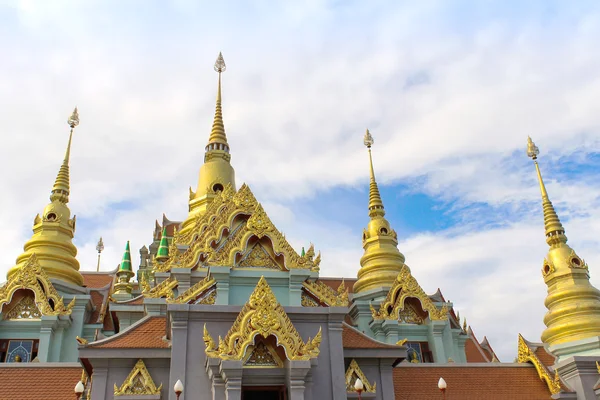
224	305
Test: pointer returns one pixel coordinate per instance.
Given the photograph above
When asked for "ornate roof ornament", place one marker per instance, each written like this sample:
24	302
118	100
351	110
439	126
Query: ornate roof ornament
262	316
222	237
353	373
196	292
163	289
326	295
32	277
138	382
526	355
407	286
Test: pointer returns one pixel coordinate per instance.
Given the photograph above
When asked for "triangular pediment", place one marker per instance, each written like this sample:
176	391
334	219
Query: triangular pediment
24	309
262	355
353	373
138	382
32	277
405	286
224	236
262	316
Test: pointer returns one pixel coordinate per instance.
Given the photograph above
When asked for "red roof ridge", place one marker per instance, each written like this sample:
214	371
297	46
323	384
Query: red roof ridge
375	343
477	344
131	329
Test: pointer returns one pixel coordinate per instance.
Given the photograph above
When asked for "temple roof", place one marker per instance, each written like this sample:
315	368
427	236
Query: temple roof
34	382
469	381
147	333
354	339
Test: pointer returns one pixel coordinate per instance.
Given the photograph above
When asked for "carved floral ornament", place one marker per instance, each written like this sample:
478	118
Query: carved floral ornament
138	382
224	230
203	292
32	277
262	316
407	286
353	373
526	355
326	295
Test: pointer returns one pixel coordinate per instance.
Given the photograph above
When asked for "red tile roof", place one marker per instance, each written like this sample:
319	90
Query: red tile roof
38	383
97	280
545	358
147	333
490	382
354	339
473	352
98	301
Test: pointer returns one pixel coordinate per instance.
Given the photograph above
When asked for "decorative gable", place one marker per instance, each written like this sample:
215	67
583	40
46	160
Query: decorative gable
32	277
353	373
526	355
228	233
323	294
393	306
262	316
138	382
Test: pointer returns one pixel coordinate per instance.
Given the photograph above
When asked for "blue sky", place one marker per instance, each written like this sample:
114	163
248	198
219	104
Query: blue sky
449	89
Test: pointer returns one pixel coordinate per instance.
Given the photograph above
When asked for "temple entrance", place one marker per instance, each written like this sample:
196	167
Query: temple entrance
264	393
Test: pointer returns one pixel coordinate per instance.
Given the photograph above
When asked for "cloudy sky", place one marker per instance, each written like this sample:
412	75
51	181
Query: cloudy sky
449	89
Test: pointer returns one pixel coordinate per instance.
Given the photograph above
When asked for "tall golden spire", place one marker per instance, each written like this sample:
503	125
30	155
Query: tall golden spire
375	203
53	232
217	134
573	303
216	172
382	261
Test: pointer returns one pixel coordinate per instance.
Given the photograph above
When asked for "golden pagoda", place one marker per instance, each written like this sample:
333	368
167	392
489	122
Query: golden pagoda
382	261
52	239
573	303
216	172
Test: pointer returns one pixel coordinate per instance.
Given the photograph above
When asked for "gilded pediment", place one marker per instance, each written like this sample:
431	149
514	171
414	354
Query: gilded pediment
138	382
32	277
405	286
262	317
226	235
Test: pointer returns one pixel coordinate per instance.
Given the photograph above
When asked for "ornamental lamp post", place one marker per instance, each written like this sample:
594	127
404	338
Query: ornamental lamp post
79	388
442	385
359	387
178	388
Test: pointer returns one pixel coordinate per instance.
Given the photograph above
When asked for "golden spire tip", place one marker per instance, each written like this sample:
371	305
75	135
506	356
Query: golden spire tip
73	120
368	139
532	149
220	64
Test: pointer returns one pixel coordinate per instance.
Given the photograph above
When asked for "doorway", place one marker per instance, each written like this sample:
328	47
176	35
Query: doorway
264	393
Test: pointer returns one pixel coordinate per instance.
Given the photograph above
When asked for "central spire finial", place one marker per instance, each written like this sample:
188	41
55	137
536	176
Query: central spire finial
73	120
60	190
220	64
532	149
368	139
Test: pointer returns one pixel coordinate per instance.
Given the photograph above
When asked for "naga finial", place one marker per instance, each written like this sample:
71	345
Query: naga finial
532	149
220	64
368	139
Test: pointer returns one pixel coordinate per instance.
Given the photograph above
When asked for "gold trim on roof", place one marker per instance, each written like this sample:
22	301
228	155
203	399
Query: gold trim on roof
195	291
163	289
325	294
353	373
138	382
32	277
262	355
407	286
262	315
526	355
24	309
217	236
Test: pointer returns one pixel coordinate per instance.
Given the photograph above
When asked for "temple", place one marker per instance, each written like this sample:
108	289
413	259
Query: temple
224	305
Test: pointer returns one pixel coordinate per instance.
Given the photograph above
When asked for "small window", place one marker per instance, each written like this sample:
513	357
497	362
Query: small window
217	187
51	216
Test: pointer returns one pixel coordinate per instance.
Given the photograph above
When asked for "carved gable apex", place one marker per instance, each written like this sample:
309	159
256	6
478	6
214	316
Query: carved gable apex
258	257
138	382
32	277
406	286
262	316
224	235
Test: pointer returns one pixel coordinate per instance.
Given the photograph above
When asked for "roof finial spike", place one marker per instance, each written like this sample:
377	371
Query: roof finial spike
61	188
217	139
555	233
375	202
